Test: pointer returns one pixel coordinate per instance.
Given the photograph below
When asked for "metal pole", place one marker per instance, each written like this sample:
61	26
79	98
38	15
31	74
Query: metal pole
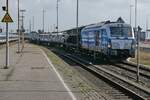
22	28
54	27
43	21
7	41
138	48
18	27
147	22
30	26
77	23
131	14
33	24
57	17
48	29
22	32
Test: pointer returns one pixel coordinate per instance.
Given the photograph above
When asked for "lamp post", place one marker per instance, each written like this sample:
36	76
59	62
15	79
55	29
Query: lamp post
30	26
136	14
77	24
131	6
43	20
22	27
147	24
33	24
57	16
18	27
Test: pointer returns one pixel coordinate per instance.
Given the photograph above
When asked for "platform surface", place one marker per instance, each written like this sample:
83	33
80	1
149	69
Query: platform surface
30	77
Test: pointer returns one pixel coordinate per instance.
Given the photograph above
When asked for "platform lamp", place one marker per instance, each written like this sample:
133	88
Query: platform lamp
43	20
57	7
18	26
22	27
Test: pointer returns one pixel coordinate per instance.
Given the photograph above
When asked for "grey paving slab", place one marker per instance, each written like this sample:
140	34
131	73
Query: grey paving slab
34	96
14	58
30	77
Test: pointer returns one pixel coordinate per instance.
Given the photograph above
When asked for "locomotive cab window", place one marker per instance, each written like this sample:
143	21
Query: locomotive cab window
121	31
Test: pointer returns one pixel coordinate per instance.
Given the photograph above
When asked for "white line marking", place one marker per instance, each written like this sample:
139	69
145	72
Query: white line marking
61	79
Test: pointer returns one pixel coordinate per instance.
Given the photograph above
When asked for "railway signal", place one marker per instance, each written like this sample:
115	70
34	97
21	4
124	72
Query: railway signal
4	8
7	19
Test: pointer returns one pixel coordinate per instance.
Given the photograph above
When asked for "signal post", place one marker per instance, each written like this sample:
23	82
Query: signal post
7	19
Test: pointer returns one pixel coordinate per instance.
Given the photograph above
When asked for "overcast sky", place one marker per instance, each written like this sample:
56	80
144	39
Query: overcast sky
90	11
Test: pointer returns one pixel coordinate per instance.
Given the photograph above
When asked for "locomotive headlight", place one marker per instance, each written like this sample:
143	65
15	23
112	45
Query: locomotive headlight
109	46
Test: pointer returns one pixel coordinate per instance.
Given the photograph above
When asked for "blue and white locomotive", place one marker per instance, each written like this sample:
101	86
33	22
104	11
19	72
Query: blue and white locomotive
109	38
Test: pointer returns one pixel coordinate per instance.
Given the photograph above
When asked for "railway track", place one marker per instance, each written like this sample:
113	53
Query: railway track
145	71
134	90
129	71
117	87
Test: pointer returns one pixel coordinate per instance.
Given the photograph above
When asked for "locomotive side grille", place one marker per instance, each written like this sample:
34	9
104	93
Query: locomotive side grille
127	46
115	45
121	44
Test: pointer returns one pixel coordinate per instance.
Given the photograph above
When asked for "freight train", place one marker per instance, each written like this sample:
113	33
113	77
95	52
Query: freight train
106	38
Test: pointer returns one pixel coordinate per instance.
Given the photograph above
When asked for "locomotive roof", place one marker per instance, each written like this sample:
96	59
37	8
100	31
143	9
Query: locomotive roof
100	24
74	28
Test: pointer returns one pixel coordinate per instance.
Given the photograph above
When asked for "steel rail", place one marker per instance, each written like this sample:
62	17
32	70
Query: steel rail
100	72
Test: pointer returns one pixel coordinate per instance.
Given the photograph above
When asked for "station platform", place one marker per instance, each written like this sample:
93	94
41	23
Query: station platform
31	76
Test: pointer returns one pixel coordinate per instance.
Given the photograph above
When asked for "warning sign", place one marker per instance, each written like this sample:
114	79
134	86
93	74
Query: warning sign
7	18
